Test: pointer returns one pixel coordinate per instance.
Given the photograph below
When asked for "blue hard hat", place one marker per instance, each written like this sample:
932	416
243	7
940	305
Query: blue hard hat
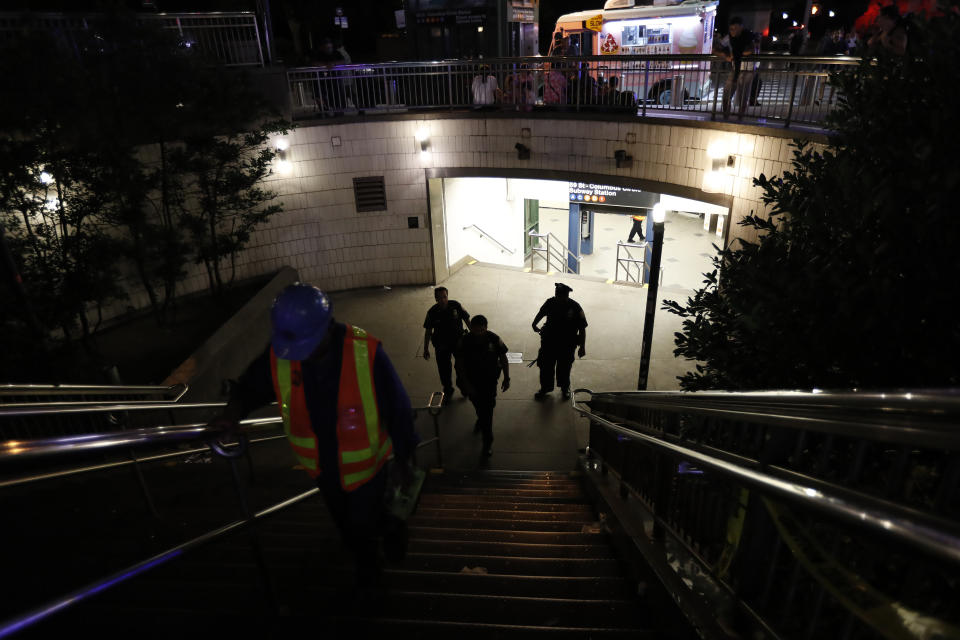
301	315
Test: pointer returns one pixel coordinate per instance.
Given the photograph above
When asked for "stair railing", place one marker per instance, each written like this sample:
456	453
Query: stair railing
553	253
53	448
484	234
855	467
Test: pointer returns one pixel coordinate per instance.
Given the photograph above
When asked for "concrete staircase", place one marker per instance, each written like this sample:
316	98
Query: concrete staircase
491	555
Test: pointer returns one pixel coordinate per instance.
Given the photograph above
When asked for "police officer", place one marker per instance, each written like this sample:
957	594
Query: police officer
443	327
480	357
565	330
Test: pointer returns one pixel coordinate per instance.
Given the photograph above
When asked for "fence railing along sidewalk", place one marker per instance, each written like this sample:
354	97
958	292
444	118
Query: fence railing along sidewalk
766	89
231	38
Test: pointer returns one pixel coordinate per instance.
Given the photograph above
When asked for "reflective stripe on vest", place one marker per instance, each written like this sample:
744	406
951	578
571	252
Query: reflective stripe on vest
288	385
363	444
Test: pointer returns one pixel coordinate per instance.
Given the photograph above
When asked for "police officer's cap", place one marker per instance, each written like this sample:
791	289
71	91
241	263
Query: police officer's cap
562	287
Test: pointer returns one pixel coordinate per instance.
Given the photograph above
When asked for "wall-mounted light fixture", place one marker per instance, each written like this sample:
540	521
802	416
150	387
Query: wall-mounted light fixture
631	137
283	165
624	161
721	166
335	141
423	137
525	132
523	151
480	29
46	178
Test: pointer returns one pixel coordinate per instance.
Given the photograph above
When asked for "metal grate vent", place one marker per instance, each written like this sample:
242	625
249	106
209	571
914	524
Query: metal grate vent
370	193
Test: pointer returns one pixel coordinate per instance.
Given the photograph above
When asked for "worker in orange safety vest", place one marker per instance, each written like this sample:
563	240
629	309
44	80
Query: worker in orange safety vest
344	413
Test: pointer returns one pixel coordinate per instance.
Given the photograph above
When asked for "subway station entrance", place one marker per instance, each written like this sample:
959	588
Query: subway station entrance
572	228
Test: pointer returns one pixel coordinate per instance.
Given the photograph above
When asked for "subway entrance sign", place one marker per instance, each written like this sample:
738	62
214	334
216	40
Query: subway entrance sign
586	192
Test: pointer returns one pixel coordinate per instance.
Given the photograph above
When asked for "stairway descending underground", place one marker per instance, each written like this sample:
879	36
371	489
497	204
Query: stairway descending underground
492	554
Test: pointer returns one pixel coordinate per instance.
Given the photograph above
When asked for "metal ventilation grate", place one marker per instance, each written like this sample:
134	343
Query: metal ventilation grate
370	193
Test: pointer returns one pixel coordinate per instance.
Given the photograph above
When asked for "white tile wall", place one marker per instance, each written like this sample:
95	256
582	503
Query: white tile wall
335	247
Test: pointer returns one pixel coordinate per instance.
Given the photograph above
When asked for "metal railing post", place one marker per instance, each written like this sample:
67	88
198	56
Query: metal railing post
793	93
646	88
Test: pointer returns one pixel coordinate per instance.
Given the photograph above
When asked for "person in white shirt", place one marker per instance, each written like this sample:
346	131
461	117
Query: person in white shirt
484	87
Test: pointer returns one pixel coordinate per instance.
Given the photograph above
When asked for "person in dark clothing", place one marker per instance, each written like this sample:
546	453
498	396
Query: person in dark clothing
736	45
344	411
443	327
329	91
481	355
637	228
565	330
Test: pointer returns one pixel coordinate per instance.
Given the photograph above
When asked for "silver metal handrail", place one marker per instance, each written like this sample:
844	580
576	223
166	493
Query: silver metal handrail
160	434
561	254
884	417
629	261
484	234
886	519
92	390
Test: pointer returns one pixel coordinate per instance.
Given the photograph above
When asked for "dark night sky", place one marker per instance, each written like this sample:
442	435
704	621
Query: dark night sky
377	17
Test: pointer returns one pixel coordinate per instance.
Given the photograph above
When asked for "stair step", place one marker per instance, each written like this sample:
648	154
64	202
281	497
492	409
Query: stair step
507	522
500	535
507	505
582	587
475	608
507	492
448	513
444	630
513	549
512	565
454	498
468	481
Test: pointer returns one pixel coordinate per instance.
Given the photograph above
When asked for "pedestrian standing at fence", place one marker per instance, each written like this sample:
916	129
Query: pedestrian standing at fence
443	327
562	335
737	44
481	356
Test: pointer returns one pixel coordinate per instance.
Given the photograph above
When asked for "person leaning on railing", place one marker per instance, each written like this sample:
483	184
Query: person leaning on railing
733	47
344	412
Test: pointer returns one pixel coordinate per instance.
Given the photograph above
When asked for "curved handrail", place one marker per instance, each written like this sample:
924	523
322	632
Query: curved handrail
886	518
491	238
25	620
8	627
90	390
886	417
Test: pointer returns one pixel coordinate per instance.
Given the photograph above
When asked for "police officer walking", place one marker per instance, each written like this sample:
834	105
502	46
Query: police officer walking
480	357
564	331
443	327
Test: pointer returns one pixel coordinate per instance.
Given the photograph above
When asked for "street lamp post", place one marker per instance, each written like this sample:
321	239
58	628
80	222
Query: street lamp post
659	214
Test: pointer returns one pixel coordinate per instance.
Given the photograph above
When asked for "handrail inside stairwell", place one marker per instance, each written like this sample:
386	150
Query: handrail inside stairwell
14	625
885	519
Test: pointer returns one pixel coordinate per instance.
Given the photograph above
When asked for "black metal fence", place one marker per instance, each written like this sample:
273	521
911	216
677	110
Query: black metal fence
775	89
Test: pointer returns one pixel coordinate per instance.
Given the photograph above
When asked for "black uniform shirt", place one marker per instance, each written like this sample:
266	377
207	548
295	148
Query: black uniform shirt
565	318
478	357
447	324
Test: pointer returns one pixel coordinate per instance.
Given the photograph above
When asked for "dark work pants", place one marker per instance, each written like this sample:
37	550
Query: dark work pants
636	229
359	515
557	359
484	399
444	358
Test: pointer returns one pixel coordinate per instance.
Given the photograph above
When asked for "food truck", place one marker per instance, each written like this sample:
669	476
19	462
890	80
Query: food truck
622	28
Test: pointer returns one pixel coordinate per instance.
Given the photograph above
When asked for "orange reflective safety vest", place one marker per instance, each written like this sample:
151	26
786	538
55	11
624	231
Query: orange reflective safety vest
363	445
639	218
